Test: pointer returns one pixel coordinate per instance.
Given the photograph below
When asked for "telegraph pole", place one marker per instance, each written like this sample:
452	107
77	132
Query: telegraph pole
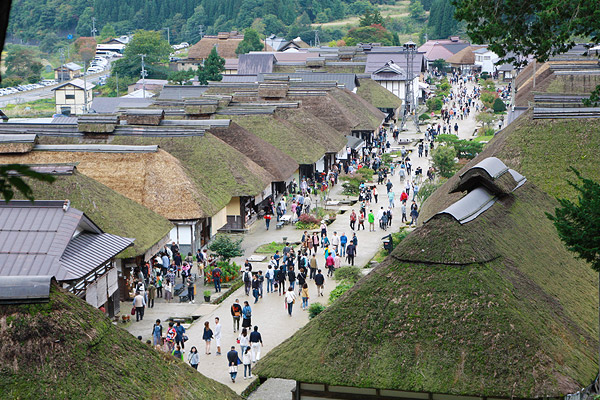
144	74
409	105
168	35
94	30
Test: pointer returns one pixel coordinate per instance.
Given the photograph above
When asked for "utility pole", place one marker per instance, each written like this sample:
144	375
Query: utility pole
62	65
117	79
317	40
168	35
144	74
409	105
201	31
94	30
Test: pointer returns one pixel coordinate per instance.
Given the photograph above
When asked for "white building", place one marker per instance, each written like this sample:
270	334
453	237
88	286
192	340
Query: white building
74	97
486	60
394	78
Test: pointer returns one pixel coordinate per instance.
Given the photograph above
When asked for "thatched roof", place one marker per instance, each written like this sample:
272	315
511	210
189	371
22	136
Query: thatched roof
465	56
111	211
156	180
217	170
85	356
272	159
294	142
226	47
370	118
377	95
496	307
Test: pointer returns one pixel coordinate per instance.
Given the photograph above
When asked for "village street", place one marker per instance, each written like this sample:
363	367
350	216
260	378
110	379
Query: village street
269	313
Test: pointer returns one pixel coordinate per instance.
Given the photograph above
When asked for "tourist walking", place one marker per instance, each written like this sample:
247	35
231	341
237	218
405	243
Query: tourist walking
236	314
246	315
170	339
247	278
371	218
232	362
353	218
217	334
270	276
247	363
243	340
157	331
290	299
350	253
305	296
191	290
216	274
255	343
139	303
313	266
207	336
255	288
193	357
179	337
320	282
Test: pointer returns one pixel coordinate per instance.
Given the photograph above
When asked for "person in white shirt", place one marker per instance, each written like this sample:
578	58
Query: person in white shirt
217	335
290	298
335	241
247	361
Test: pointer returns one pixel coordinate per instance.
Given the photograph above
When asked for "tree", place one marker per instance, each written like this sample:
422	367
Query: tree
156	49
578	225
250	43
440	64
181	77
416	11
498	105
84	24
226	248
443	160
107	32
486	119
22	62
369	34
212	68
371	17
11	179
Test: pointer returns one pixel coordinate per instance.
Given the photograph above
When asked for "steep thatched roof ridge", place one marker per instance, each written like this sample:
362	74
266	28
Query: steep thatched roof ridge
272	159
85	356
218	170
521	323
328	109
111	211
225	47
283	135
156	180
313	128
377	95
370	118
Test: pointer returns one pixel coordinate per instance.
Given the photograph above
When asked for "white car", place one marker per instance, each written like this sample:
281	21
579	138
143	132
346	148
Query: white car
94	70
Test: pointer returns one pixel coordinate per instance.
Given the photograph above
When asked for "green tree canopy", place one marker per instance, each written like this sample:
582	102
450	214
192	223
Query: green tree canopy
11	180
107	32
443	160
22	62
369	34
416	10
371	16
226	248
250	43
156	49
212	68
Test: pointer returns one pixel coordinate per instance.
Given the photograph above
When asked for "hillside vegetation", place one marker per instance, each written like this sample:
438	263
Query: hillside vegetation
66	349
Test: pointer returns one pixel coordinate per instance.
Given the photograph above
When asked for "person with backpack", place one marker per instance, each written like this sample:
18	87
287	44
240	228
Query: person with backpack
246	315
179	331
320	282
191	290
216	274
350	253
232	362
236	314
247	278
301	278
177	353
157	331
291	276
170	339
261	281
270	276
255	291
207	336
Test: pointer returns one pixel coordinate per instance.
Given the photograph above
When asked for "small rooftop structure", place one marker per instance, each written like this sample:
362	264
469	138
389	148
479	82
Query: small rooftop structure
24	290
78	83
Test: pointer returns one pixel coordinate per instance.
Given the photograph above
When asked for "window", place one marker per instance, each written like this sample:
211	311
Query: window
70	96
487	58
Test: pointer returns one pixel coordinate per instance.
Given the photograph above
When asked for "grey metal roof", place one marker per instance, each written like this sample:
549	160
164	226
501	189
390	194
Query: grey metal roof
455	47
492	165
86	251
350	81
202	123
240	78
24	289
178	92
390	72
97	148
110	105
17	138
63	119
54	169
354	142
378	59
253	64
38	239
470	206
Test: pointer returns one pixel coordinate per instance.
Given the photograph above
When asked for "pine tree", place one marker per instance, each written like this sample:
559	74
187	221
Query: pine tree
250	43
213	66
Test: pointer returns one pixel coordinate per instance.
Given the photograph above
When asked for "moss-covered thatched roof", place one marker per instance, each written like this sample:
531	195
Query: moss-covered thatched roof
370	118
66	349
294	142
111	211
377	95
272	159
218	170
494	307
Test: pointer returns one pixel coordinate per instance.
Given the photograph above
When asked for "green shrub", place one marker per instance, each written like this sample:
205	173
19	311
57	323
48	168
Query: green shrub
434	104
424	117
315	309
367	173
487	98
226	247
351	186
499	105
348	273
339	290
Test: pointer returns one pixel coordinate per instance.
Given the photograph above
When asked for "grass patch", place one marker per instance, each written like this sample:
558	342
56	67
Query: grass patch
34	109
483	138
377	95
269	248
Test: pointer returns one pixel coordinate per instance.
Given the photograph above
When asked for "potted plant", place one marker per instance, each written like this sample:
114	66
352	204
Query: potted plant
207	296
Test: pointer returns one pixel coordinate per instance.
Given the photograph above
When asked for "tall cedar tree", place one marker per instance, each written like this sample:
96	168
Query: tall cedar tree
213	66
578	225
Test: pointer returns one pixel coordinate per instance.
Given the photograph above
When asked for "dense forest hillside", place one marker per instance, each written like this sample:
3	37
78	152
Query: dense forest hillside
33	21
